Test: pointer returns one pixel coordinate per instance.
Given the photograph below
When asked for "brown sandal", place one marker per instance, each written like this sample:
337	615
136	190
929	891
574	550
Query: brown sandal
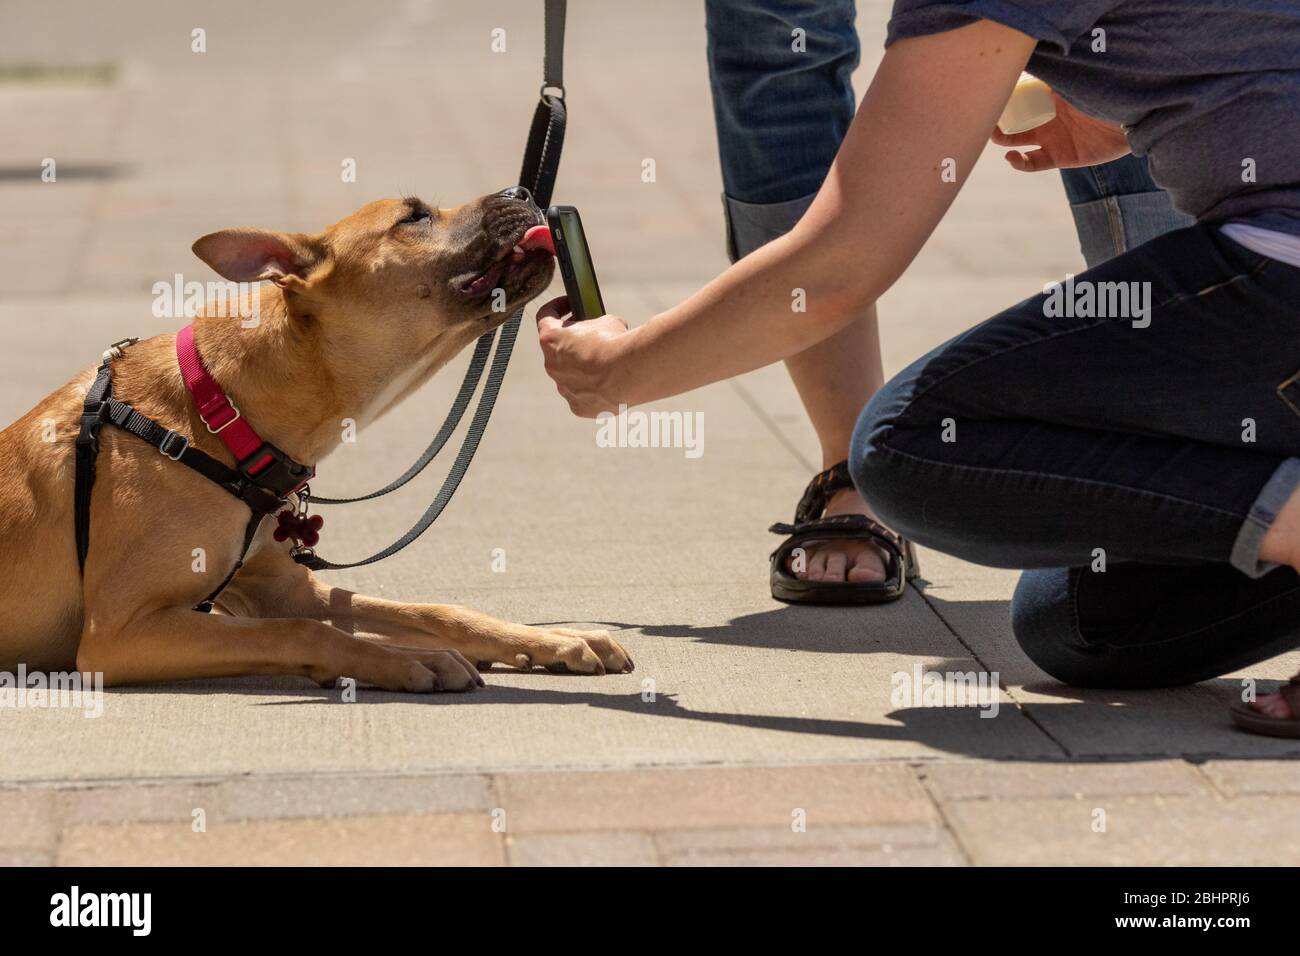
810	526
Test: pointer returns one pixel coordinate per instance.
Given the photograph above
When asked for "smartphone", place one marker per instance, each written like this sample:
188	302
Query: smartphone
576	267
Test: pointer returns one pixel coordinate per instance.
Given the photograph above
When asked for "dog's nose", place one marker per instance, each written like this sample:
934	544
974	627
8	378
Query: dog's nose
516	192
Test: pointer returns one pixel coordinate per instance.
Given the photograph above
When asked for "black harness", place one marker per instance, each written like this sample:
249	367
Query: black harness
264	494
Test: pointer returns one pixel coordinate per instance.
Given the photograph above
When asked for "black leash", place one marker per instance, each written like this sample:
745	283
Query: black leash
540	167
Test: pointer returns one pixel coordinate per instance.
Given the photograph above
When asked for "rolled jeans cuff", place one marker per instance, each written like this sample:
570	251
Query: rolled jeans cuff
750	225
1276	493
1113	225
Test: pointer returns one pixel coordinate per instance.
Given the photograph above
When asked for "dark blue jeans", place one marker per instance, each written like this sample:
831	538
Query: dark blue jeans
1134	463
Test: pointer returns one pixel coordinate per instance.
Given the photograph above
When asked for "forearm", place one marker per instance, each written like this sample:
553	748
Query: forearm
776	302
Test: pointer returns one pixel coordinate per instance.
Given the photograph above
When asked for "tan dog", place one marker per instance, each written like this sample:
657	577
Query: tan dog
358	317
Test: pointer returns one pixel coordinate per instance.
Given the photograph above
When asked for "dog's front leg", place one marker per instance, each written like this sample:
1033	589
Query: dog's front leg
181	644
272	584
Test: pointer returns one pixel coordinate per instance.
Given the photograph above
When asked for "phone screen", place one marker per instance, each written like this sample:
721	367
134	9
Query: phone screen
579	259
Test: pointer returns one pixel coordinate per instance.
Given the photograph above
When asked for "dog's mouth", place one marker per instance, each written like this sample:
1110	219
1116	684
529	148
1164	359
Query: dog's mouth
517	260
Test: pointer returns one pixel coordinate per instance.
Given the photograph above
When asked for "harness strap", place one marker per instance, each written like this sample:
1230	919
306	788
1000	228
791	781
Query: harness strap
87	450
100	408
174	445
250	532
255	459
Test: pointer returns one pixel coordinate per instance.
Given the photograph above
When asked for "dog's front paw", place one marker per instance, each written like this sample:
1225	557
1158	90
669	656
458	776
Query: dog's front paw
567	650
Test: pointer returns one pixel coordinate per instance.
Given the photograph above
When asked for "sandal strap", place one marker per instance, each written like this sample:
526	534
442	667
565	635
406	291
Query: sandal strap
841	526
819	490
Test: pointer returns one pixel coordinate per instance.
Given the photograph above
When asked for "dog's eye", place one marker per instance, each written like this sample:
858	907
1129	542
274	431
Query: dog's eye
416	217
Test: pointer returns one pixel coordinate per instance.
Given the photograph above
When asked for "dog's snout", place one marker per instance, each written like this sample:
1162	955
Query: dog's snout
518	193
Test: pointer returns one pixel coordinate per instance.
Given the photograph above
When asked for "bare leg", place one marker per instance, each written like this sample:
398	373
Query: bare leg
835	379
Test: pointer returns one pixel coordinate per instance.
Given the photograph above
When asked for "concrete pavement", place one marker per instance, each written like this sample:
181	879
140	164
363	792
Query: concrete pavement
750	731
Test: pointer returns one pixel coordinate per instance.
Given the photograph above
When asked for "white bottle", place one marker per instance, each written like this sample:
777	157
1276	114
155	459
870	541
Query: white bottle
1031	105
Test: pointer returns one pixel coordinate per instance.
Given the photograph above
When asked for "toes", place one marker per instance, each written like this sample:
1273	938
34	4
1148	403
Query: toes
613	656
420	679
868	567
454	672
1274	706
836	562
817	567
579	658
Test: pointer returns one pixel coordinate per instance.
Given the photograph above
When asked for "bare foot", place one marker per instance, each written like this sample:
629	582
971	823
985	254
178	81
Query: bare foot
842	559
1283	705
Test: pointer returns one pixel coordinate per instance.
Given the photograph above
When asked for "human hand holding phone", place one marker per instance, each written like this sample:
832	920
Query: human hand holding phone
582	356
577	268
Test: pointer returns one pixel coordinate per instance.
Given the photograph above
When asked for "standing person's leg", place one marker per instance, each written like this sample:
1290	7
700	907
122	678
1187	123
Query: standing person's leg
1153	457
782	97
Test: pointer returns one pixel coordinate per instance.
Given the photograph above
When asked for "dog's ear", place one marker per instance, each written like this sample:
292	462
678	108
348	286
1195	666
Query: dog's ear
251	255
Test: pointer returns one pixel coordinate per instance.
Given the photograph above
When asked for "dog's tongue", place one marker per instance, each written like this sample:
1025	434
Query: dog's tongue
538	237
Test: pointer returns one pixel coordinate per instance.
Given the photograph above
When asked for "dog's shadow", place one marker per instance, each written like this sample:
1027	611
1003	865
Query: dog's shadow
1121	725
956	730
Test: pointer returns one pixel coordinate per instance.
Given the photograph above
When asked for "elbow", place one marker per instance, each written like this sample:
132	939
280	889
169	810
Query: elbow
843	279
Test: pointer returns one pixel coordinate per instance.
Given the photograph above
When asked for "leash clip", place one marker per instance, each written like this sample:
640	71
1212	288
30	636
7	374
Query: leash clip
114	351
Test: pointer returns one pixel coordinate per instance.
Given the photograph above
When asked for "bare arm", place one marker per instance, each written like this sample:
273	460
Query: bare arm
918	133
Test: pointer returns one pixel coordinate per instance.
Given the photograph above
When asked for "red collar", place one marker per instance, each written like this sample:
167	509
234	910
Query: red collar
257	459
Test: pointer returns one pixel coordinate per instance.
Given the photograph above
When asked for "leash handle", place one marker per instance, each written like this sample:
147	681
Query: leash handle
546	135
553	56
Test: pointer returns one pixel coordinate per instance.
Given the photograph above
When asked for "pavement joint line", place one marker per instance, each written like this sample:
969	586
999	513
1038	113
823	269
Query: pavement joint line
1019	705
324	776
747	397
941	809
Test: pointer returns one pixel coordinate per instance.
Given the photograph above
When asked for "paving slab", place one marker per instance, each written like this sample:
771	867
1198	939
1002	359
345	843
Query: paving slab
582	849
1138	831
405	840
810	797
1009	781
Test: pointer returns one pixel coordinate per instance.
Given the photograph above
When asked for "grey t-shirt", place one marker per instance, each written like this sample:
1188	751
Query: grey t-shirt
1209	90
